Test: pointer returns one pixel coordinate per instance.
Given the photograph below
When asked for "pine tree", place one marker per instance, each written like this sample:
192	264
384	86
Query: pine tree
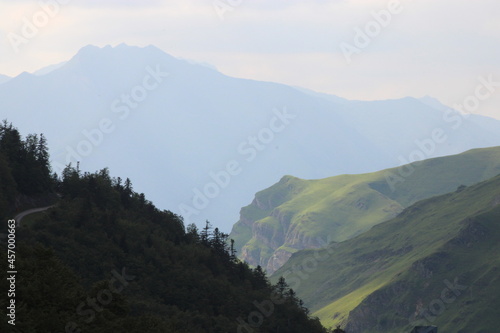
232	252
260	277
205	233
219	242
42	152
192	233
281	286
126	194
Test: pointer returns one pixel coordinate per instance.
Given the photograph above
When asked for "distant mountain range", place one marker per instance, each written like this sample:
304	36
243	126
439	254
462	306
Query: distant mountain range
436	263
201	143
4	78
296	214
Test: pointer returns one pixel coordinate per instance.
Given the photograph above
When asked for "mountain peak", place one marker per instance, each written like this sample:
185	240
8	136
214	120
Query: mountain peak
433	103
93	50
125	57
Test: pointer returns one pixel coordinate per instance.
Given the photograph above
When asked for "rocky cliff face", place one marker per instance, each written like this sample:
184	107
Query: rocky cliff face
275	247
271	238
274	239
296	214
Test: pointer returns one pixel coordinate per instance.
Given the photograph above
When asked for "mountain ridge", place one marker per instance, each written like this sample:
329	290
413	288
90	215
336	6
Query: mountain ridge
293	213
199	114
403	272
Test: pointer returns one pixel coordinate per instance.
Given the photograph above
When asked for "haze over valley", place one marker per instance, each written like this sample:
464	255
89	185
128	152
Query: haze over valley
247	166
204	143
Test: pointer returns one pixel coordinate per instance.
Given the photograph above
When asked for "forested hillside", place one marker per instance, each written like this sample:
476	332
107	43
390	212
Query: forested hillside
105	259
25	176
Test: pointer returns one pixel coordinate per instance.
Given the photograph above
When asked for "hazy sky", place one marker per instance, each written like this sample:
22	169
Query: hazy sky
360	49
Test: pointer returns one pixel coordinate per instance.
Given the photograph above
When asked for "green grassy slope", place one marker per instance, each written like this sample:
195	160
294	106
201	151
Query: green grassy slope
396	275
295	213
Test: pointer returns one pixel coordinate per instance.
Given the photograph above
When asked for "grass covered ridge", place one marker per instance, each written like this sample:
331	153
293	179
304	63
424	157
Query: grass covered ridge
393	276
342	207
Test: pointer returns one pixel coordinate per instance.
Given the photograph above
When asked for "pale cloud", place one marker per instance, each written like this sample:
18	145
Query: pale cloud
436	48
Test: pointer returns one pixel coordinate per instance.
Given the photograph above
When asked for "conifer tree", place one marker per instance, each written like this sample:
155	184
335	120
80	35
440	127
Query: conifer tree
232	252
205	233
